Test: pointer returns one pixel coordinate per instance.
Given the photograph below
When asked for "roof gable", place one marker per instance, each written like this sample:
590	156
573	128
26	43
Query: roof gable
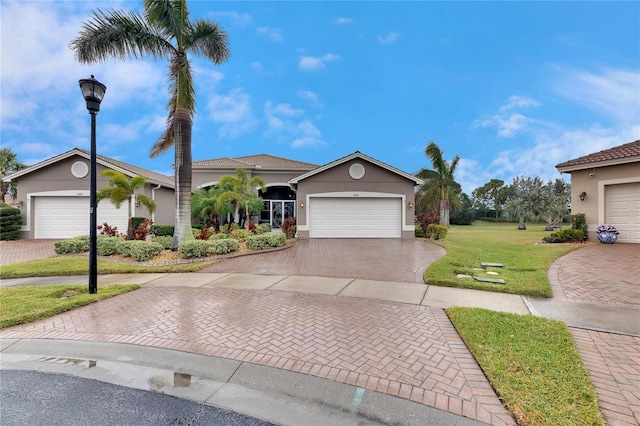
622	154
357	154
259	161
125	168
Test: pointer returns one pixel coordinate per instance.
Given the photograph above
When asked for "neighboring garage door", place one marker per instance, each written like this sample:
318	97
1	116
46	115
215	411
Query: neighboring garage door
355	218
66	217
623	210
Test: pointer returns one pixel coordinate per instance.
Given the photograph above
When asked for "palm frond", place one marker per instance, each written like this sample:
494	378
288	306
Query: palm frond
118	34
147	201
171	17
209	40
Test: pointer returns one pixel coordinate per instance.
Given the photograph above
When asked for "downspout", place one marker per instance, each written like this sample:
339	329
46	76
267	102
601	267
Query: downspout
153	197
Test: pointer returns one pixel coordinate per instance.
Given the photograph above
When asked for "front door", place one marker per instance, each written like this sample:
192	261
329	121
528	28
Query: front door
276	211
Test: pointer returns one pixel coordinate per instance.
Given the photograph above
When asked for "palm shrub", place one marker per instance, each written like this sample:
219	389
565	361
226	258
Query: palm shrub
10	222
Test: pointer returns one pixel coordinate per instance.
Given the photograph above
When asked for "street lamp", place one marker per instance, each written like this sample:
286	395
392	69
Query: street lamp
93	92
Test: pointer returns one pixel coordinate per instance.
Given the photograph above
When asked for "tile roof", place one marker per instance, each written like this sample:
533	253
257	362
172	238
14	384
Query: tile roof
135	170
627	153
260	161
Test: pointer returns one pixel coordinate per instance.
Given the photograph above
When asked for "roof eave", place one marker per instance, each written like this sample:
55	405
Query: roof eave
597	164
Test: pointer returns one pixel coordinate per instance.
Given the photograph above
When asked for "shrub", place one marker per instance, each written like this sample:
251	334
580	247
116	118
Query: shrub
220	236
74	245
226	245
289	227
106	229
419	232
142	230
136	221
10	222
163	240
205	234
139	250
106	245
163	230
565	236
463	217
579	221
263	228
436	231
252	228
426	219
194	248
265	241
238	234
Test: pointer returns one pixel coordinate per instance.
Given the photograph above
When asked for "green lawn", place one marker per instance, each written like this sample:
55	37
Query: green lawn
533	364
525	262
78	265
25	304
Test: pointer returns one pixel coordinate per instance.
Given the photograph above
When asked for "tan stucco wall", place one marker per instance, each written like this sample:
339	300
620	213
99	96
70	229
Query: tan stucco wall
594	182
58	177
377	180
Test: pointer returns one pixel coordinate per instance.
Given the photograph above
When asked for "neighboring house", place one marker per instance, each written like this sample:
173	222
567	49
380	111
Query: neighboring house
605	186
353	197
53	195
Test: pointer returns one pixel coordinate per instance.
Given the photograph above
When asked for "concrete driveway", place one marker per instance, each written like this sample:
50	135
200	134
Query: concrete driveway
372	259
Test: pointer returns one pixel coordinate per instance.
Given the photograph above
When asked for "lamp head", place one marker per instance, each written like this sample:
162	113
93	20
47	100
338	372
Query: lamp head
93	92
583	195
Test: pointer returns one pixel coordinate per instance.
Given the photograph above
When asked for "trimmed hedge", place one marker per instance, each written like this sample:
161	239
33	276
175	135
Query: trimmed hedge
10	222
162	230
265	241
205	248
436	231
565	236
164	240
74	245
106	245
138	250
263	228
238	234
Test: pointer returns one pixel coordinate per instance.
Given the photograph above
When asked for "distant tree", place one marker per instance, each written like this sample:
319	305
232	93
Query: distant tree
439	182
532	199
8	164
163	31
491	196
242	193
122	189
465	214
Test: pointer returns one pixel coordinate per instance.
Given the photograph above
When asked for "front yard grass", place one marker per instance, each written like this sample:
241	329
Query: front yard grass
532	363
525	262
78	265
25	304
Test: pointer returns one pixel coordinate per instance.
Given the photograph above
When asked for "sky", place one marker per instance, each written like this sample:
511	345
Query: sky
512	88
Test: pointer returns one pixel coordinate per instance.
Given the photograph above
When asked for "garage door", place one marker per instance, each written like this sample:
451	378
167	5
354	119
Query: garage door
623	210
66	217
355	218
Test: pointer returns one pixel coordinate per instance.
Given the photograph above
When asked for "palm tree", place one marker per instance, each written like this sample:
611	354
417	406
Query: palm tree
8	164
439	183
122	189
241	192
163	31
205	205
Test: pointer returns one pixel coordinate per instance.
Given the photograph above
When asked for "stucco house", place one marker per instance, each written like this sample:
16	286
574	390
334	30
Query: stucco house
605	186
353	197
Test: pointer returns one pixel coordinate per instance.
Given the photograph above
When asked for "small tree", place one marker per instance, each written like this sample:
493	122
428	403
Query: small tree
242	193
122	189
205	205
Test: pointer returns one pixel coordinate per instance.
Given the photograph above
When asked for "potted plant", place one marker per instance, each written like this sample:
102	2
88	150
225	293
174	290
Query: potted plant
607	234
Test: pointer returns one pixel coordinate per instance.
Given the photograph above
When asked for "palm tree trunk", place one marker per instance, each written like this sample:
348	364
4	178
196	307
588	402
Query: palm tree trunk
183	166
444	212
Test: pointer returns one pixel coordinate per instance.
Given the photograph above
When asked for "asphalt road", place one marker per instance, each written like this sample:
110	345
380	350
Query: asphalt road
36	398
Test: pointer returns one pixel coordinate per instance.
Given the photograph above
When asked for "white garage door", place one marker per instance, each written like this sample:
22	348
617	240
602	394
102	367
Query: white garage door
355	218
623	210
66	217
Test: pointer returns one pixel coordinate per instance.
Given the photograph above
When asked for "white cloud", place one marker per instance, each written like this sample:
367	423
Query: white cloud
273	34
342	21
507	121
616	92
389	38
286	124
232	111
313	63
239	19
311	97
308	142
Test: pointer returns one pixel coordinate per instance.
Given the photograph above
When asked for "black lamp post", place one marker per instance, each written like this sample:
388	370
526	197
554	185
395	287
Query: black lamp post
93	92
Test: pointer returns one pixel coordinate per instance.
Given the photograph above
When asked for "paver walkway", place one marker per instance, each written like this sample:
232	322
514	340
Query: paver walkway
409	351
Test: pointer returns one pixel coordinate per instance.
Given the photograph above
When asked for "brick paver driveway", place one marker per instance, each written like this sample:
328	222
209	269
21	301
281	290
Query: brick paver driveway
404	350
373	259
24	250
